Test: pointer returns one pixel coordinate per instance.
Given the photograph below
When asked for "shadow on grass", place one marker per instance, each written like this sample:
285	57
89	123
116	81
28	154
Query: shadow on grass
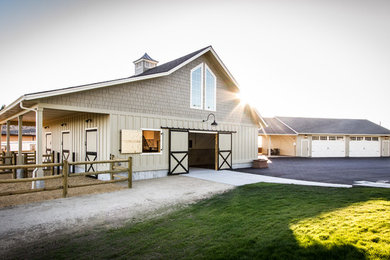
252	221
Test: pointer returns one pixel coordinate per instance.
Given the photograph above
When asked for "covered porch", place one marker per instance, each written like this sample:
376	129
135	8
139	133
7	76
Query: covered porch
61	134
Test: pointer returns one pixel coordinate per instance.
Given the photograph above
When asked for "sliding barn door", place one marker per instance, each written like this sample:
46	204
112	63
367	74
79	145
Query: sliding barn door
178	151
91	151
224	151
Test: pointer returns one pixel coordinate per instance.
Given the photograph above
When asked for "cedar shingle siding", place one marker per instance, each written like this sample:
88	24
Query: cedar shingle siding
168	96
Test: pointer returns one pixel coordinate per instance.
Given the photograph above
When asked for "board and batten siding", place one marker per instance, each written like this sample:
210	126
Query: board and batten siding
244	141
77	125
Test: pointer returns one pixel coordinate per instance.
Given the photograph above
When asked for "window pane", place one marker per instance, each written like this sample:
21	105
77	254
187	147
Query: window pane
368	138
210	90
375	139
353	138
196	88
315	138
359	138
323	138
340	138
332	138
151	141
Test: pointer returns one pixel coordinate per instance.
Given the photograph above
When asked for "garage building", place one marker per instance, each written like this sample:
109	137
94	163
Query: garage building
324	137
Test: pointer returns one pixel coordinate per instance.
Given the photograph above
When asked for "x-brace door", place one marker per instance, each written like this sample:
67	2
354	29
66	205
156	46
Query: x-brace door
178	151
224	151
91	146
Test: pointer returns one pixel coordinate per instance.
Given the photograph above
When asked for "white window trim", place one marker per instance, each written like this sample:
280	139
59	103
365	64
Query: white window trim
201	87
161	140
215	89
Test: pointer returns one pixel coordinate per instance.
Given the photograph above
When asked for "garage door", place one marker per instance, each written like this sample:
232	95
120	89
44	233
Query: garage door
328	146
364	146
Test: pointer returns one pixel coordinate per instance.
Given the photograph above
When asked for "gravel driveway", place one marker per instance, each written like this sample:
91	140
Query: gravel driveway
44	220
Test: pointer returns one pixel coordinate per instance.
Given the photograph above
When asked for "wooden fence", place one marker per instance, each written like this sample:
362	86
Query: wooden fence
27	157
65	175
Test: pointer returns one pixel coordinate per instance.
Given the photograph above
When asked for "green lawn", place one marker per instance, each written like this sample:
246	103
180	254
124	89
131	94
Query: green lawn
263	221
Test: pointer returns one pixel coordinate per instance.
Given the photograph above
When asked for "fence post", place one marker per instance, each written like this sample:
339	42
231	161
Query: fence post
65	169
14	163
111	169
130	173
52	161
58	161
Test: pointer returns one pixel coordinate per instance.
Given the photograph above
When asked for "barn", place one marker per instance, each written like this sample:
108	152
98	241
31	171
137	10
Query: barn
170	117
324	137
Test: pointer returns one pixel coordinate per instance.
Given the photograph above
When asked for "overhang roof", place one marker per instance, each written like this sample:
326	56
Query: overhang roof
305	125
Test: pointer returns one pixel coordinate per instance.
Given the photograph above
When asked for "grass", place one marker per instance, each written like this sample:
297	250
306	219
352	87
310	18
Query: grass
262	221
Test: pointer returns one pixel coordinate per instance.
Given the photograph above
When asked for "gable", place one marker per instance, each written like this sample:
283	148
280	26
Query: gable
168	96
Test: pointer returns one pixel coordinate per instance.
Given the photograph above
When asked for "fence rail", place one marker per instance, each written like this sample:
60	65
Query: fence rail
65	175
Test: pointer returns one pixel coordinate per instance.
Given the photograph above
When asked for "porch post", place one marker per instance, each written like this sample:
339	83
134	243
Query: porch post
269	145
8	145
1	135
19	172
20	138
38	147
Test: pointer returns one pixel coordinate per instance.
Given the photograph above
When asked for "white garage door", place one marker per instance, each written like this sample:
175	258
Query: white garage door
364	146
328	146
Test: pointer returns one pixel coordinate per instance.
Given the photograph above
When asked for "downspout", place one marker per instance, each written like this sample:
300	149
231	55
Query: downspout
27	108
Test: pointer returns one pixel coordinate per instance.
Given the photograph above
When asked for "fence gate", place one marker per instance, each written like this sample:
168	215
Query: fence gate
91	146
66	143
178	151
224	151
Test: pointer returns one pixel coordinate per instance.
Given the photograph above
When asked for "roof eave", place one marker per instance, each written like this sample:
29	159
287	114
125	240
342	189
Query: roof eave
12	105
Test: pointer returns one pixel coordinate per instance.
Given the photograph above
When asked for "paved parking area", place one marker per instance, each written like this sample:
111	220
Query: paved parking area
236	178
329	170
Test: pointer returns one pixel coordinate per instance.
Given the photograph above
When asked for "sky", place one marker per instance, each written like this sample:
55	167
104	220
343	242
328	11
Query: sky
291	58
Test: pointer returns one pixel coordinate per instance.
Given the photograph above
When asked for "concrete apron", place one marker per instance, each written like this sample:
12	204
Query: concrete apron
240	178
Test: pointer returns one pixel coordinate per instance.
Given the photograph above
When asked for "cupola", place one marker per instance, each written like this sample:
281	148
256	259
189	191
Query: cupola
144	63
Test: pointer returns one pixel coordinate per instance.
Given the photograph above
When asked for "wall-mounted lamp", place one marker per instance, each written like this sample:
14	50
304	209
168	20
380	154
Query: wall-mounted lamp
63	124
88	120
213	123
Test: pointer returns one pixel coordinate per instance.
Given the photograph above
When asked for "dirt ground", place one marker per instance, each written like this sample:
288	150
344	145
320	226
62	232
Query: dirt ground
23	227
12	200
